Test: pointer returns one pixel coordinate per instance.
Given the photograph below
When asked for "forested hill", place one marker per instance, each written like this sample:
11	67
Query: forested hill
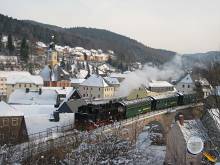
126	49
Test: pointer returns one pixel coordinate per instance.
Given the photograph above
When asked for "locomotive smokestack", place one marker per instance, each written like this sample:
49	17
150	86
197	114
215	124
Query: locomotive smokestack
181	120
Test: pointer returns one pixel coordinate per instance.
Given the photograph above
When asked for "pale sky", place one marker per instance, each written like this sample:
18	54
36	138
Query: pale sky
185	26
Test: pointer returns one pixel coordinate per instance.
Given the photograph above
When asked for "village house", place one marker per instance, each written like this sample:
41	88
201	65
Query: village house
96	87
12	125
30	82
185	84
75	82
203	85
160	86
9	81
178	138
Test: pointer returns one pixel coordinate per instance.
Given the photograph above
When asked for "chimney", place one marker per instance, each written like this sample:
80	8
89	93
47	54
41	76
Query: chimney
27	90
181	120
40	91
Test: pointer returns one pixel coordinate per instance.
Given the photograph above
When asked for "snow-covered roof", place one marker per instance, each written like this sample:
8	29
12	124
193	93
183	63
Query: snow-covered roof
64	91
187	79
95	81
54	74
41	44
39	123
215	115
118	75
193	128
112	80
82	74
79	48
14	73
12	58
32	110
7	110
5	39
29	79
45	73
77	80
47	97
160	84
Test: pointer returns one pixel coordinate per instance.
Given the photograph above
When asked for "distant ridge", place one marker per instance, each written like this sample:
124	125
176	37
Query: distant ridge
126	49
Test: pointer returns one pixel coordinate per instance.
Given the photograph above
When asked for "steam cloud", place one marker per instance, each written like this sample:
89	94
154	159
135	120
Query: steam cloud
169	71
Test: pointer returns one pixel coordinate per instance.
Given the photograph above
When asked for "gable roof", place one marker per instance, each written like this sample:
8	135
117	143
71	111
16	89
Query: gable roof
186	79
193	128
95	81
7	110
112	80
29	79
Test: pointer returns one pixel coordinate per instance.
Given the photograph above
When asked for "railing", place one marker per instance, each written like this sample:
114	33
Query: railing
50	132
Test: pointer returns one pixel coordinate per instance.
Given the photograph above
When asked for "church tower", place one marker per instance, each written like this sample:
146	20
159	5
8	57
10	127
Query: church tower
52	54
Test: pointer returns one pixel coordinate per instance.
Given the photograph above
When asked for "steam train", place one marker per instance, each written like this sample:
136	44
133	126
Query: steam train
98	113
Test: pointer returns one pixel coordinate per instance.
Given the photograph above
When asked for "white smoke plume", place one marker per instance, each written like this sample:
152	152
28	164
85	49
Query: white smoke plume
169	71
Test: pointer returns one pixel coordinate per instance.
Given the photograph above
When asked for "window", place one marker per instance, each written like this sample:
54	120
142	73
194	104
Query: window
84	95
91	88
2	136
13	86
25	85
5	122
99	89
98	96
19	85
188	86
14	122
183	85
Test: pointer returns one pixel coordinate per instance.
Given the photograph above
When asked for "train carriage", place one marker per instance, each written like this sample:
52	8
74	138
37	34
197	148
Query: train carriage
136	107
164	101
185	99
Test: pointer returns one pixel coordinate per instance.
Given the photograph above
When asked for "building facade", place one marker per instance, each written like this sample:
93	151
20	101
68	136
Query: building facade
12	125
185	85
23	82
96	87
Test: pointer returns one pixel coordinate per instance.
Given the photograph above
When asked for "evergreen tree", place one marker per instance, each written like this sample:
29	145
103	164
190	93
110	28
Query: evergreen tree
10	44
1	45
24	50
62	63
97	70
88	69
93	69
83	65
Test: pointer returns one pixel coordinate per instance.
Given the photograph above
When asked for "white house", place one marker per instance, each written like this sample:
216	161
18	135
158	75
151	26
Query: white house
185	85
96	87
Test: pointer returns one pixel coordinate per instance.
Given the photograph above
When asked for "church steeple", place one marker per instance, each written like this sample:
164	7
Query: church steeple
52	54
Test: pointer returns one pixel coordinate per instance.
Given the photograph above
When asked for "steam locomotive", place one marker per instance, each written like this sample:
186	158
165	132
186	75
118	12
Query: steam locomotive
98	113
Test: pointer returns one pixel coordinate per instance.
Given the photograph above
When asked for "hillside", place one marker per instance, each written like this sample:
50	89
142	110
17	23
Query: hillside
126	49
201	58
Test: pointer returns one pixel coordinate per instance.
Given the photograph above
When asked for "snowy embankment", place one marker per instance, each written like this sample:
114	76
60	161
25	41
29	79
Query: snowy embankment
109	149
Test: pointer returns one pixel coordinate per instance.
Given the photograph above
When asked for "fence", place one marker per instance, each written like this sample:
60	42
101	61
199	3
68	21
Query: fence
50	132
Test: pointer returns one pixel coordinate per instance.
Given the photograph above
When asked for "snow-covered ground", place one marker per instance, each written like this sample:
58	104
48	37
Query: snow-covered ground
151	154
113	150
